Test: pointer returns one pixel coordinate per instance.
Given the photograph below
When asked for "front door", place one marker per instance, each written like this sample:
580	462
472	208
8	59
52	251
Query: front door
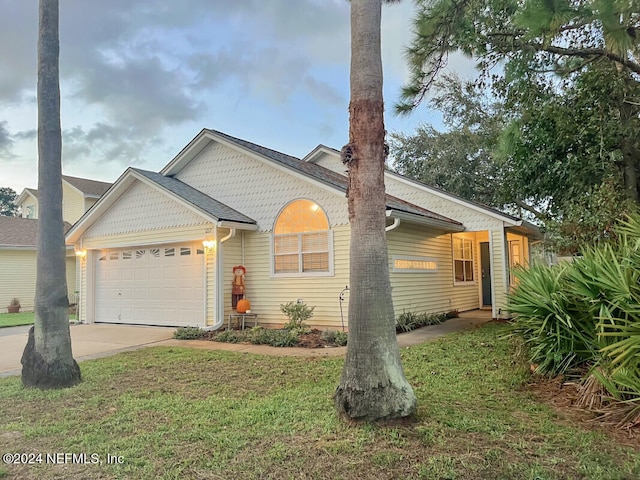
485	264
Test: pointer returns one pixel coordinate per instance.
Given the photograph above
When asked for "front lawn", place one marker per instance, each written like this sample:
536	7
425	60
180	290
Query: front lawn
22	318
183	413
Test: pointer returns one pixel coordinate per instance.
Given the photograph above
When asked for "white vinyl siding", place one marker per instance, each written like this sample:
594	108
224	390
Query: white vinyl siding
267	292
72	205
429	290
252	190
144	209
18	277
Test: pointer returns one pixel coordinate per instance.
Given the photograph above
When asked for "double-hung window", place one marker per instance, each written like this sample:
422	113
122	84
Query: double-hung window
302	240
463	260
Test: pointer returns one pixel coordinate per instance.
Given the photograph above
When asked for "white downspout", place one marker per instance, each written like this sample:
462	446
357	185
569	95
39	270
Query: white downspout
219	282
393	226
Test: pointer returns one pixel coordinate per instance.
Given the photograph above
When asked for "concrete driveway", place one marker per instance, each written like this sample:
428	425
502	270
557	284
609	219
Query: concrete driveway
88	341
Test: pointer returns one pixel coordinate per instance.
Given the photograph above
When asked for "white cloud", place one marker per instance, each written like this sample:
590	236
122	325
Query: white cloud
138	78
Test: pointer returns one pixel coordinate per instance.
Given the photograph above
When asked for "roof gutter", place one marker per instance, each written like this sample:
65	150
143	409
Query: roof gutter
237	225
422	220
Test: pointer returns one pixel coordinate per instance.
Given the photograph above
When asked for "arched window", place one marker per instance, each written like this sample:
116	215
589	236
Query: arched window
302	240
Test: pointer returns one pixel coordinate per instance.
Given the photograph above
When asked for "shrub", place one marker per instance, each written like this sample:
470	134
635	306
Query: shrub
587	313
297	313
275	338
406	321
188	333
341	338
230	336
426	319
335	337
547	317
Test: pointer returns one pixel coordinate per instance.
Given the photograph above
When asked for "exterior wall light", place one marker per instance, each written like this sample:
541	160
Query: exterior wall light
209	242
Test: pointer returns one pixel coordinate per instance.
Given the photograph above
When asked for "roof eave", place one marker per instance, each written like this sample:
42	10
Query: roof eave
207	136
313	155
506	218
426	221
237	225
25	192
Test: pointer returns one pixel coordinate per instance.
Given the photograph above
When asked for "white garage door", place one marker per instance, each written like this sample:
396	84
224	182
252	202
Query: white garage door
160	285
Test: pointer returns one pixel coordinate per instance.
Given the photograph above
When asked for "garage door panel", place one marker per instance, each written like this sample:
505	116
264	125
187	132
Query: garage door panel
154	294
153	286
127	274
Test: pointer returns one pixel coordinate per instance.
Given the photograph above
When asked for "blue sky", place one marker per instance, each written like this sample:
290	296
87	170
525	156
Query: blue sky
139	79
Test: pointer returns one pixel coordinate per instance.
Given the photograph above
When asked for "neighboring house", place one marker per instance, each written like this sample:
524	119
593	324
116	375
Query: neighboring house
78	196
18	241
18	238
160	247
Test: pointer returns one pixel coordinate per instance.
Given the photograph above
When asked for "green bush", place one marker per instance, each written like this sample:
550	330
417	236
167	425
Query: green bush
188	333
406	322
259	336
231	336
297	313
335	337
587	313
547	316
275	338
341	339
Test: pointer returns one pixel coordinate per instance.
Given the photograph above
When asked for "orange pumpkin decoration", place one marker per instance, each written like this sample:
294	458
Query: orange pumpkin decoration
243	306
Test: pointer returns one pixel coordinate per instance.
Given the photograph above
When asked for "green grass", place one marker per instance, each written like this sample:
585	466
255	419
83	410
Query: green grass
181	413
22	318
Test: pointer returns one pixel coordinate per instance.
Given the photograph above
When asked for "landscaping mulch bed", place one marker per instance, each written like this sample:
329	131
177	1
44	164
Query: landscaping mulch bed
562	397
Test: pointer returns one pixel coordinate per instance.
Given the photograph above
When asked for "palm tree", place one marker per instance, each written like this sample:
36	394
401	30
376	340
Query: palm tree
47	361
372	385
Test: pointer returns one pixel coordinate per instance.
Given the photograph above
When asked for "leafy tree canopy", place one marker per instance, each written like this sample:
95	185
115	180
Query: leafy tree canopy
8	207
559	36
460	159
568	80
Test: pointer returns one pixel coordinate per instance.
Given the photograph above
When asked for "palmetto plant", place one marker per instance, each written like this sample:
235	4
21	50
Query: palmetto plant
558	335
587	313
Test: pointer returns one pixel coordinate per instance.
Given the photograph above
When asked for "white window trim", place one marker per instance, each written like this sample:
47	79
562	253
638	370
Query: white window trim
512	243
416	259
473	262
299	274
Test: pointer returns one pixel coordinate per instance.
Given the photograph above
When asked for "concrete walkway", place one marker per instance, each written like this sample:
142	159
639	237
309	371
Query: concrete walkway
94	341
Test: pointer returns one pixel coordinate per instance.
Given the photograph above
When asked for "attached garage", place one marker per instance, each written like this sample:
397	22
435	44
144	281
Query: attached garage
159	285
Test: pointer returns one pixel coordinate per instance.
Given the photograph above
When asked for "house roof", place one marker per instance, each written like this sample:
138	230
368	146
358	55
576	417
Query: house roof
26	191
20	232
213	210
310	170
90	188
321	149
196	198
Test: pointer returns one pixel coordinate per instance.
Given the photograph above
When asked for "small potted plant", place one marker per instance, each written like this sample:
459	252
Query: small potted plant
14	305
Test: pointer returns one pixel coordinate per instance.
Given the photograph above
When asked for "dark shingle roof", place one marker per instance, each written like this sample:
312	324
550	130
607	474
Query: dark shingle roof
92	188
329	177
20	232
196	197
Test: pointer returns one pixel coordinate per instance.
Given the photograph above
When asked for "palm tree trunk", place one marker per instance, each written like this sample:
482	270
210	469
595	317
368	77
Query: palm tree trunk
47	361
372	385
